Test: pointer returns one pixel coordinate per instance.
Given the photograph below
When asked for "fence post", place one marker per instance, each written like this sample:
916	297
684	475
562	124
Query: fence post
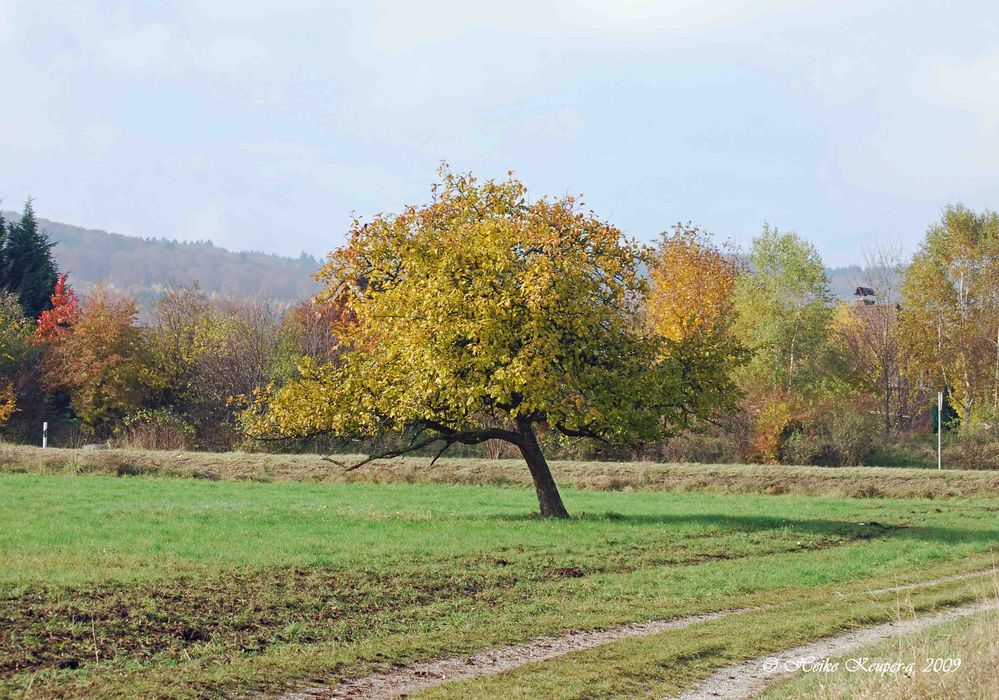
939	430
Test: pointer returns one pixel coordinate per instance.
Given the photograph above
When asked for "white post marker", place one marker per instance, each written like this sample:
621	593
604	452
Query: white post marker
939	430
45	434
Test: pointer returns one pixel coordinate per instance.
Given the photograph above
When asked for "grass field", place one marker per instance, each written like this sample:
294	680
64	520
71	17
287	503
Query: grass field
174	587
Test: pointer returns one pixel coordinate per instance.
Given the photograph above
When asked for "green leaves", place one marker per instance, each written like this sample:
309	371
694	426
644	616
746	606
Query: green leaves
480	308
15	335
950	310
783	310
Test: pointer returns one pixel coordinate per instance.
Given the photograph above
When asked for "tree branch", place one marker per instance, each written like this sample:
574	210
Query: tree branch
581	433
443	433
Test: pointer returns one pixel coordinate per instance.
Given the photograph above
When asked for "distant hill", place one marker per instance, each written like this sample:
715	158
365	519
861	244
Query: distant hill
144	267
843	281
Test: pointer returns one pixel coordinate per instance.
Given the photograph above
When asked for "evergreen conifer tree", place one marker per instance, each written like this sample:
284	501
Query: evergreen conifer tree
29	270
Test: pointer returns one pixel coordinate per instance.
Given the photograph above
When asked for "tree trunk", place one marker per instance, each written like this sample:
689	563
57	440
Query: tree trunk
549	499
887	400
995	396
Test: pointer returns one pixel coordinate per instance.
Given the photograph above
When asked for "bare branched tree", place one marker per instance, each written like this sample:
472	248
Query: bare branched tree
875	340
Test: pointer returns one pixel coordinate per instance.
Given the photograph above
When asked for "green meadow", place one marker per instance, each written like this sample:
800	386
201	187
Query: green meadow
174	587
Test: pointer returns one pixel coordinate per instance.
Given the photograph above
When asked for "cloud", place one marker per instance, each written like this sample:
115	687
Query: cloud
37	128
401	26
233	53
264	124
242	11
972	85
970	88
156	49
148	48
98	137
561	126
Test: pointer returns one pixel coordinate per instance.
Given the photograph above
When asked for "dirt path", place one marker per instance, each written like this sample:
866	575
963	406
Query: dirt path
749	679
411	679
421	676
945	579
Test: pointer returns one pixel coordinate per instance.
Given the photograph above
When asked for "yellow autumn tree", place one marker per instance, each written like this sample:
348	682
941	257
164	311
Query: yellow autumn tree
950	311
691	307
15	334
693	282
485	316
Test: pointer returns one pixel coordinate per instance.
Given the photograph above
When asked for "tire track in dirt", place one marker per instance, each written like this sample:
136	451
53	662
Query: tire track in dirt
750	678
926	584
421	676
413	678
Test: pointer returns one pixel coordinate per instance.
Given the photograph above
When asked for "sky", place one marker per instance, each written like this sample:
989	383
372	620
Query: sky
269	125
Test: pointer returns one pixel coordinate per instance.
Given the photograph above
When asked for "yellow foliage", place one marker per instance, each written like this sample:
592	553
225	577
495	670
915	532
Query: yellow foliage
480	309
949	324
690	307
8	403
692	286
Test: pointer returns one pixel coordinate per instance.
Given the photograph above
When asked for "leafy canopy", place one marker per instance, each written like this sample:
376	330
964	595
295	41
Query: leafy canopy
482	309
690	306
950	310
693	285
15	335
64	313
783	311
103	362
15	344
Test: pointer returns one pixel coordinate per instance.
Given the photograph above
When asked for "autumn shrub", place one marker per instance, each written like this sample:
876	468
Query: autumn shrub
767	428
158	429
834	434
8	402
102	362
974	448
15	330
851	429
716	446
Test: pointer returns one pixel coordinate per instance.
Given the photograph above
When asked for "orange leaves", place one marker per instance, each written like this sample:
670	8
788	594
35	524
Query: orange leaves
65	311
102	360
693	284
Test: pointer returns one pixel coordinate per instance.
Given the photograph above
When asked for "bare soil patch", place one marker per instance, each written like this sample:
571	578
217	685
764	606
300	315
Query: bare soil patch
245	611
417	677
413	678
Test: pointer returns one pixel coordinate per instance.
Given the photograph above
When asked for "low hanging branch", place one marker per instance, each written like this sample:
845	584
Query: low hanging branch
446	435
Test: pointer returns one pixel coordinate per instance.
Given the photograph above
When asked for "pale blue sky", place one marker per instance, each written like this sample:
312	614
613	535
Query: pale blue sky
263	124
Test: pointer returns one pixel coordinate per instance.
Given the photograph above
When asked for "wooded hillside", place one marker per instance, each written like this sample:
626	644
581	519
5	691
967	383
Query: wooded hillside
144	267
